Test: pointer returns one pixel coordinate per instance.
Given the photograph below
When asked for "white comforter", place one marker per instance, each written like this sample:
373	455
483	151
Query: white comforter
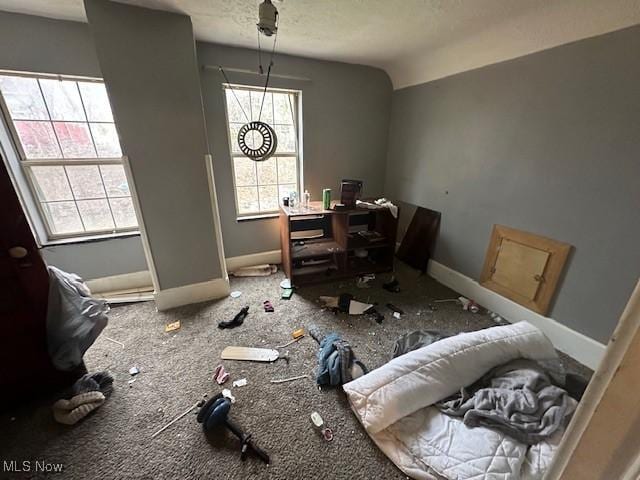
394	404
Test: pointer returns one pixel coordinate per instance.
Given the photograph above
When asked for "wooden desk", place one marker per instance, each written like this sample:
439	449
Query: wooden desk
319	245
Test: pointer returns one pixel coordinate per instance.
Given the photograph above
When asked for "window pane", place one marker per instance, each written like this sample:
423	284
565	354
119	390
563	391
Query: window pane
234	109
233	137
51	183
123	212
245	171
96	101
37	139
95	214
268	198
106	139
115	181
267	172
63	100
23	98
286	138
75	140
267	108
63	217
247	200
285	190
282	108
85	181
287	170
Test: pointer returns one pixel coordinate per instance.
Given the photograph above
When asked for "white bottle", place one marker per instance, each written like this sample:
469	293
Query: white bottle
306	199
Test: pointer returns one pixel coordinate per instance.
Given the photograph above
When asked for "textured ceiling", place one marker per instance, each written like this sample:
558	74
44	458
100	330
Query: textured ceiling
413	40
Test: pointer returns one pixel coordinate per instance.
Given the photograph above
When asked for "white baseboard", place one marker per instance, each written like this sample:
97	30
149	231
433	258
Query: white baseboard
201	292
126	298
194	293
125	281
584	349
273	257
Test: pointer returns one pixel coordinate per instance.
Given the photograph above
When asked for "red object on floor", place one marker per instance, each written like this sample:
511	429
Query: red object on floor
25	366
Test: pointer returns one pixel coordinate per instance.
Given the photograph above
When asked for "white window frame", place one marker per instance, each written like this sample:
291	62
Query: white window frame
21	171
297	104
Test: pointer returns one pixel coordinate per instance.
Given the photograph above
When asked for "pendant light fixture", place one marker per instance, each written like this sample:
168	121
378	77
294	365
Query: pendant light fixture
264	136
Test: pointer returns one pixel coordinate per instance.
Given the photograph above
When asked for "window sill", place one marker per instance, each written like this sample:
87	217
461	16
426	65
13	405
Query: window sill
89	238
261	216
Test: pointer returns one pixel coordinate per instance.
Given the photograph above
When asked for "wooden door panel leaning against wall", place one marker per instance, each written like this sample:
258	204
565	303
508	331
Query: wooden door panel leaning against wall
524	267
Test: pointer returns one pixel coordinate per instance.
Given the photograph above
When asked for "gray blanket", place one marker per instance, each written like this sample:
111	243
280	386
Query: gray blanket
517	398
415	340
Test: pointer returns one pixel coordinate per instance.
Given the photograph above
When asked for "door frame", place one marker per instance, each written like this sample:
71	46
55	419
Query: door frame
595	418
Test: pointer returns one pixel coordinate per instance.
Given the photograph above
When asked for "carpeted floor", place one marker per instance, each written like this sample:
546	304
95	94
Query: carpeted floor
176	370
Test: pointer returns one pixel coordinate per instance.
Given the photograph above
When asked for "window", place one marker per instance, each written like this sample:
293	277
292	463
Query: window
259	186
69	153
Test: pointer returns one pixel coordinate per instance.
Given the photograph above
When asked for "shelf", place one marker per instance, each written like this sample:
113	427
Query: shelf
315	270
315	208
305	235
315	248
356	241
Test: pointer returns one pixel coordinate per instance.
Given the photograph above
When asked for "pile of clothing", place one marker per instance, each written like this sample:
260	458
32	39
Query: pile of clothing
88	393
337	364
74	319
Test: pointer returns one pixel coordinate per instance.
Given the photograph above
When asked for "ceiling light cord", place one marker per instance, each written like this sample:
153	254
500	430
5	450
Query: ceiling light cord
266	83
260	69
226	79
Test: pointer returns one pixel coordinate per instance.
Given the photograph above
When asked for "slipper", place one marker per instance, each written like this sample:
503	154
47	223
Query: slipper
75	409
267	306
220	375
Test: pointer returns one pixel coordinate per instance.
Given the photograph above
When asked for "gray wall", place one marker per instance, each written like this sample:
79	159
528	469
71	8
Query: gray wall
148	62
345	107
345	117
548	143
36	44
43	45
99	258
